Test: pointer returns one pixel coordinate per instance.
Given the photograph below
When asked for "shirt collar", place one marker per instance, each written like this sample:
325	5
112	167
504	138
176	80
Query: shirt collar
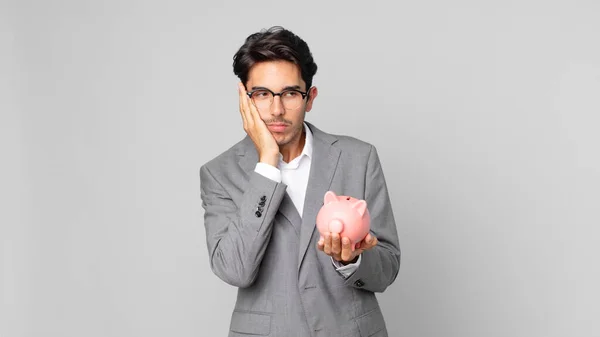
308	142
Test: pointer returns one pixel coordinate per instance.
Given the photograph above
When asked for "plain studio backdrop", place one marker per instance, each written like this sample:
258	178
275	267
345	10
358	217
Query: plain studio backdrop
485	114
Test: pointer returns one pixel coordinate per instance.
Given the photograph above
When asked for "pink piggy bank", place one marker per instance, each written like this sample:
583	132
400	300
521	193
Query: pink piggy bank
347	216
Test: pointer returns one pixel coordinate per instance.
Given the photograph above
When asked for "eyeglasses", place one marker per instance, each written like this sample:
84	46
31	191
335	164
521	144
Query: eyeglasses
291	98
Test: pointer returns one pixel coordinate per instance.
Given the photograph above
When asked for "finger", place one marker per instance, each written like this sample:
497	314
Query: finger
253	110
248	109
243	104
370	241
336	244
247	104
321	244
327	246
346	249
363	243
242	94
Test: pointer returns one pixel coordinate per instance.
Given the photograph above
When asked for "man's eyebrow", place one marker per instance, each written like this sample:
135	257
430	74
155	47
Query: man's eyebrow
289	87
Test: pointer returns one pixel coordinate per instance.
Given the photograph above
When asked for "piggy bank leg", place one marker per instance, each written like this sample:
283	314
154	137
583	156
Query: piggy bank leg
336	226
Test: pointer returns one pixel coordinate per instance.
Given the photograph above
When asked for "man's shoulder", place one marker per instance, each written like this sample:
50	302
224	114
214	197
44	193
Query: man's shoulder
226	157
352	143
346	142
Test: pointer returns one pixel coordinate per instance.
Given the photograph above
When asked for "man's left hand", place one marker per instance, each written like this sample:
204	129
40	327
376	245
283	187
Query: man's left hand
340	249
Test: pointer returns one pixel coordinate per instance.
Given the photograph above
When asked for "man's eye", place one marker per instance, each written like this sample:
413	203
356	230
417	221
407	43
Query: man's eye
260	94
291	94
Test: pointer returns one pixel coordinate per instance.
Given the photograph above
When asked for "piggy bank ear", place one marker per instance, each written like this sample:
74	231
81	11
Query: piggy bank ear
329	197
360	206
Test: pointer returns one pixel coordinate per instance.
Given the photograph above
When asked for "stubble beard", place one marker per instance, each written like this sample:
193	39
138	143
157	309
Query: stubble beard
291	137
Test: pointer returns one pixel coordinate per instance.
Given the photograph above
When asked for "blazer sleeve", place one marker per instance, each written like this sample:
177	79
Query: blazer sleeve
380	265
237	235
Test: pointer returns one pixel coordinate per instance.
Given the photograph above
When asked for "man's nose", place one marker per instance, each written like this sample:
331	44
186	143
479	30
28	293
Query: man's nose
277	106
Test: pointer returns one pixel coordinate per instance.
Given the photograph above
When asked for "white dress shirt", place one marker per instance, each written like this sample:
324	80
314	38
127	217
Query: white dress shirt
295	175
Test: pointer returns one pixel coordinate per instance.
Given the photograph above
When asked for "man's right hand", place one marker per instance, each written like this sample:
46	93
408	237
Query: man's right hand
255	127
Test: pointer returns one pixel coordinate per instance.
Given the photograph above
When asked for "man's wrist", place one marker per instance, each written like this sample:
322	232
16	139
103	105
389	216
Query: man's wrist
268	171
349	262
270	159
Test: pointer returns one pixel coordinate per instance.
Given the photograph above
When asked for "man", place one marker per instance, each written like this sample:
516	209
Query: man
262	195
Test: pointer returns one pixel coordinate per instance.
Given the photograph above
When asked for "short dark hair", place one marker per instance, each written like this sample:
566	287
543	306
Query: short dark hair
273	44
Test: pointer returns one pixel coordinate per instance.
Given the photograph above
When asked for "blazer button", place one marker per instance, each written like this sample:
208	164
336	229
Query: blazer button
258	214
359	283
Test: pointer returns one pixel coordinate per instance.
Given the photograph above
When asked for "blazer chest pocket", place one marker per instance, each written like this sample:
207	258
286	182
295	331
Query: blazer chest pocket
252	323
370	323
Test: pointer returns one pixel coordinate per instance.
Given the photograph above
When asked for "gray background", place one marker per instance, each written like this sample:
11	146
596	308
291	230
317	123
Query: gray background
485	115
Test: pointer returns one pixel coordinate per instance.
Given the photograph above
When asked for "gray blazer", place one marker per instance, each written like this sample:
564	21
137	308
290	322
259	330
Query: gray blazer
259	243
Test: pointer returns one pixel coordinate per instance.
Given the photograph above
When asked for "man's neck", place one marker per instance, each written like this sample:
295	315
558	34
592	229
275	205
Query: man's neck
291	151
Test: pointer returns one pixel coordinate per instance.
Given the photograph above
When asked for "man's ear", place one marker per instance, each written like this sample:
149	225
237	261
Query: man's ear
312	94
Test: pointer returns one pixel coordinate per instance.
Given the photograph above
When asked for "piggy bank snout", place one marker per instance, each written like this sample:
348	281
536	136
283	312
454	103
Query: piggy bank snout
336	226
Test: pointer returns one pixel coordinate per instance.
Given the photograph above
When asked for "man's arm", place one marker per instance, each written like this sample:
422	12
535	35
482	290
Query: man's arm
379	265
238	237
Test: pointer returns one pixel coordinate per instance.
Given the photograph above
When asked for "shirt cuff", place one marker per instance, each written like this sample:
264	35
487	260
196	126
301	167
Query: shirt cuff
268	171
346	270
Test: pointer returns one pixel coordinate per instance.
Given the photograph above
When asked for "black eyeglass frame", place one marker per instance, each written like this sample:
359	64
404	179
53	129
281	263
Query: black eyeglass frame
304	94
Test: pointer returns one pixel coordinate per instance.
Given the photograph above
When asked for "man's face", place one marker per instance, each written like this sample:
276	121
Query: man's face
284	123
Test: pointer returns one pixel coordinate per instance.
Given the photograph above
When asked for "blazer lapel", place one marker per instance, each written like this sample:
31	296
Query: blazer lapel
289	210
248	156
323	165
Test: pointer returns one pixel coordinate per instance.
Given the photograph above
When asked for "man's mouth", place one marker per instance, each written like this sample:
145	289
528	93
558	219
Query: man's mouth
277	127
